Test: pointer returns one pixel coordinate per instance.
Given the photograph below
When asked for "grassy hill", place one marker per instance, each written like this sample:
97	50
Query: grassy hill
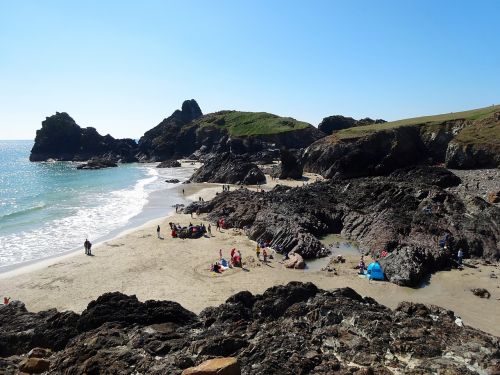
240	124
483	132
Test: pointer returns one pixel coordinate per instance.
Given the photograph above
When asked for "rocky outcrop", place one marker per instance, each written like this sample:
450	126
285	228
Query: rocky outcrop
332	124
169	164
376	154
291	329
98	163
216	366
256	136
295	261
291	164
405	213
171	139
60	138
229	169
459	143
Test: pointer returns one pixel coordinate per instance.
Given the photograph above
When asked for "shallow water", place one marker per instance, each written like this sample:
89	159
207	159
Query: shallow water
50	208
338	245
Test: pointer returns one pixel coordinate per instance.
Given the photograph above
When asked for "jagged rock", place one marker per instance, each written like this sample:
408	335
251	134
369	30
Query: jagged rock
295	261
116	307
230	169
60	138
405	213
481	292
289	329
34	365
458	143
39	353
169	164
20	330
216	366
332	124
172	181
494	196
98	163
291	165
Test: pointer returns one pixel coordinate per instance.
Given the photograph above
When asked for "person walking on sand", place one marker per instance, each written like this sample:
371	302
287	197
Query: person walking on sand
257	251
182	191
86	246
217	225
264	254
209	229
158	231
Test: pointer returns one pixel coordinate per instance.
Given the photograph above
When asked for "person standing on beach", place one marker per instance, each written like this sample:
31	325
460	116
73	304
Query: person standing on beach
209	229
218	225
158	231
182	191
460	256
86	246
257	251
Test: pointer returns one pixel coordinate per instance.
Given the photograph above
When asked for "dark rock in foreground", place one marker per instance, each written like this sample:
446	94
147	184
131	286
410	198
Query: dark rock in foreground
292	329
169	164
60	138
229	169
97	163
405	214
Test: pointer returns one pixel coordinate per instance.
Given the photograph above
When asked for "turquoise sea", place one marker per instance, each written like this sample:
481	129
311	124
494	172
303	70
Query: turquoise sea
48	209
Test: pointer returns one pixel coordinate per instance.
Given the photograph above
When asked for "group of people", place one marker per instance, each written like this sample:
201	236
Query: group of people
191	231
225	187
446	242
264	246
222	264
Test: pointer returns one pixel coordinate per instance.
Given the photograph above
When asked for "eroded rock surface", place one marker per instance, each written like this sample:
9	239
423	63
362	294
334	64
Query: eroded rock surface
229	169
289	329
406	214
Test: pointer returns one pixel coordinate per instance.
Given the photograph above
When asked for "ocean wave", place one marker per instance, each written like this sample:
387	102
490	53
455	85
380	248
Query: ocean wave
97	215
24	211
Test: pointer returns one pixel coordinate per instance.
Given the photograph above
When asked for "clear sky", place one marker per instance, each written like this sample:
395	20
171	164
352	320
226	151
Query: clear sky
122	66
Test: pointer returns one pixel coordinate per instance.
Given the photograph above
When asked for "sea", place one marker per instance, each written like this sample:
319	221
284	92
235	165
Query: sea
50	208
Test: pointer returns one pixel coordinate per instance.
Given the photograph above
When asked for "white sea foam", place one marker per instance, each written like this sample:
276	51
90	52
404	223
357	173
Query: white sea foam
95	216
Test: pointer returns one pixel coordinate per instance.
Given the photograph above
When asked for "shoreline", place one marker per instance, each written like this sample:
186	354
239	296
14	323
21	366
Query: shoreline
137	263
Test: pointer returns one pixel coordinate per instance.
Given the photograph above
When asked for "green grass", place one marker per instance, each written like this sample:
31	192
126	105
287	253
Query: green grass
472	115
247	124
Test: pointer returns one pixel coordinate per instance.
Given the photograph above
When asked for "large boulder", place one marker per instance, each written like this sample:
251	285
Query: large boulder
60	138
169	164
229	169
291	164
295	261
98	163
216	366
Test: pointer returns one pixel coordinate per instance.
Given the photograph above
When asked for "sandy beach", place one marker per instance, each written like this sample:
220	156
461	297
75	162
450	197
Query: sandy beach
137	262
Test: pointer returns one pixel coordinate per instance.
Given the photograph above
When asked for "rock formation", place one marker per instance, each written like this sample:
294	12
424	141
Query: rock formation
257	136
97	163
169	164
292	329
406	214
332	124
229	169
291	164
171	139
461	143
60	138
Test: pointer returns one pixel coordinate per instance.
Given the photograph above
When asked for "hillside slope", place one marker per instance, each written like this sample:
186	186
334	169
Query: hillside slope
463	140
224	131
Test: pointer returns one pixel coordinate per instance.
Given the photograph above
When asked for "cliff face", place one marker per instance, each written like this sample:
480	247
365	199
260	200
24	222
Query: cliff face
368	151
189	133
290	329
171	139
60	138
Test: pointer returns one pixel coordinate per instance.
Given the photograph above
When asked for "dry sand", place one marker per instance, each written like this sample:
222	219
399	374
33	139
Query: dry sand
139	263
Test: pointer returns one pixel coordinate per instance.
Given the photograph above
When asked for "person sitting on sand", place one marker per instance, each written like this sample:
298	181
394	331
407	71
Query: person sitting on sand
6	300
361	266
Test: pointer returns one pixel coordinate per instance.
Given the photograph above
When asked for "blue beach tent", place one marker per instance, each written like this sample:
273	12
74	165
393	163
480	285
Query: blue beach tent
374	272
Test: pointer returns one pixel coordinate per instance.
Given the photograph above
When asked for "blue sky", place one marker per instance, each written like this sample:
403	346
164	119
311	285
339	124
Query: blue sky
123	66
